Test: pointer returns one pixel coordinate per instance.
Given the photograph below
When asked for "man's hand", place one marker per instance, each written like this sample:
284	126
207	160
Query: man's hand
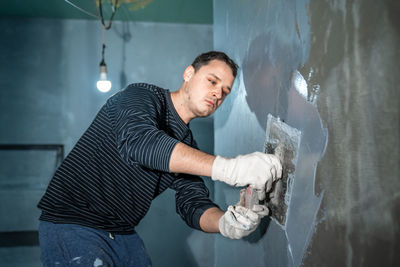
256	169
238	221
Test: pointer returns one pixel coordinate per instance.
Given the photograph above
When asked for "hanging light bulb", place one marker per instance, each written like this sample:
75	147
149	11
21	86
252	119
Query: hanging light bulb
103	85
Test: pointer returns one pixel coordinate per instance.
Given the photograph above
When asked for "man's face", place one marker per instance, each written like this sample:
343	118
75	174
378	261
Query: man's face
206	89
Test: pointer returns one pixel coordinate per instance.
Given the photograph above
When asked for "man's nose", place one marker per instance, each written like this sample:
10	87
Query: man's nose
217	92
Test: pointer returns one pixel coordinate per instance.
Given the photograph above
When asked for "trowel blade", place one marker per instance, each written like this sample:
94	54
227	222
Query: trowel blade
283	141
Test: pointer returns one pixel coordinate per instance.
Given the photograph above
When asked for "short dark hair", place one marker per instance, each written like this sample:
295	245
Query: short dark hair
204	58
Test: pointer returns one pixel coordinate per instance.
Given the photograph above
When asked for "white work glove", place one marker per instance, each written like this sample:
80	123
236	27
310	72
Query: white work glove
256	169
238	221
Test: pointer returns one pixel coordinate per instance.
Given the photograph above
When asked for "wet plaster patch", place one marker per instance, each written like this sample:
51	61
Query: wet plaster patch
304	205
272	87
302	114
271	40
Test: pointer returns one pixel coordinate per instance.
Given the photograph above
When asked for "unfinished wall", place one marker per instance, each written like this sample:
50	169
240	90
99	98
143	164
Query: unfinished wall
355	51
329	69
48	73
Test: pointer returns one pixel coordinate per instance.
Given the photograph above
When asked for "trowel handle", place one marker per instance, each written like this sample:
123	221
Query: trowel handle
250	197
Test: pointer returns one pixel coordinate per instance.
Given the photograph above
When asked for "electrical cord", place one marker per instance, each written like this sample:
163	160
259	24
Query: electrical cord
114	10
81	9
114	7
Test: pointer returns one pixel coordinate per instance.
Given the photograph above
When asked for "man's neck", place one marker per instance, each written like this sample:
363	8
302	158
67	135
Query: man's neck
179	104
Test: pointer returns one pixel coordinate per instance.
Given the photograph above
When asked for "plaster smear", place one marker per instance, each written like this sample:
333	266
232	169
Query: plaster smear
304	205
98	262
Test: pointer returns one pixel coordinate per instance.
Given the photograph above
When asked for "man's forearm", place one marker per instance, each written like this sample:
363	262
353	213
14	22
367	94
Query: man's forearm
185	159
209	220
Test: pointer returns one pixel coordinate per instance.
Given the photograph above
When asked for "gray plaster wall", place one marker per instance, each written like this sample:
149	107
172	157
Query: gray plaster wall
329	69
48	95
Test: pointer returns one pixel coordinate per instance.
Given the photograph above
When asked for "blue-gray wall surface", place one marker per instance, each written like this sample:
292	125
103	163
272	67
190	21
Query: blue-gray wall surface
48	95
329	69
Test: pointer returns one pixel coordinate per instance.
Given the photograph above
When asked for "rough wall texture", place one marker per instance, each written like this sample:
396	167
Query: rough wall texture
329	69
354	52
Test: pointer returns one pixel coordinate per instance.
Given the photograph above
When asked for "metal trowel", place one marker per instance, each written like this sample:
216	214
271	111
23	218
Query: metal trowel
283	141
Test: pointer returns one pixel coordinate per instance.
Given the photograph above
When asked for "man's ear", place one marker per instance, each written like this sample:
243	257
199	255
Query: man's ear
188	73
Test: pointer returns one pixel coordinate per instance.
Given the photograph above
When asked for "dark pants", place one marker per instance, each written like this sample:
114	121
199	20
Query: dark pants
75	245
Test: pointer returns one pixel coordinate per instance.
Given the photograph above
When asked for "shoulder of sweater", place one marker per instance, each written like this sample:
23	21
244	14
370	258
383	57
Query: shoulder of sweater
145	86
142	90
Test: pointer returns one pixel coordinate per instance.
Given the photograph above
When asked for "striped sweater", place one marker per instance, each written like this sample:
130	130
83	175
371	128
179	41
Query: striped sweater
121	163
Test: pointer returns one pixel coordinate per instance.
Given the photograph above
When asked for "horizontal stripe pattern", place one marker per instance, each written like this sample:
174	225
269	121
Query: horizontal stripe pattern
121	163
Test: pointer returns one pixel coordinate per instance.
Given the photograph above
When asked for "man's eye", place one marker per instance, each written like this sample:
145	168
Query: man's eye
212	82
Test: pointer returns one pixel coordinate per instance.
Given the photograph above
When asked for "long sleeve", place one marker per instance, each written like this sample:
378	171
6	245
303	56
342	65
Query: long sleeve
140	129
192	199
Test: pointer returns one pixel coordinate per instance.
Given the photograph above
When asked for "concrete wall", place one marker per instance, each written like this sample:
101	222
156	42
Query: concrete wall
329	69
48	74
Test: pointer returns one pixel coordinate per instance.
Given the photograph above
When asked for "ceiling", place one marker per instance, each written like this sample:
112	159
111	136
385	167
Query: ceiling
170	11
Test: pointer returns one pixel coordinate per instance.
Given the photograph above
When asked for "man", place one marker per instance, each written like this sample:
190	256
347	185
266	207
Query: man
139	145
